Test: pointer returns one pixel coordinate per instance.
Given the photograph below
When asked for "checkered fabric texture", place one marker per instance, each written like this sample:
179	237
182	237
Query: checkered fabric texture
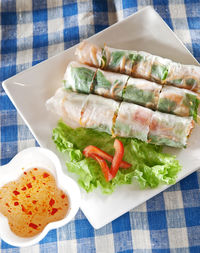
31	32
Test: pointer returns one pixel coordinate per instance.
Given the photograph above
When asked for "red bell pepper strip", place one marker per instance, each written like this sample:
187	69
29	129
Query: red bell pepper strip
100	156
105	169
117	159
94	150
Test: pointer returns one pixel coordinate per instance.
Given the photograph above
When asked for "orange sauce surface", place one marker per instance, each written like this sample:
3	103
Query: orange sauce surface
32	201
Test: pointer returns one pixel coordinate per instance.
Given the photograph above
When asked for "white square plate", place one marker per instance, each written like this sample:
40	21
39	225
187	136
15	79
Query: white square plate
30	89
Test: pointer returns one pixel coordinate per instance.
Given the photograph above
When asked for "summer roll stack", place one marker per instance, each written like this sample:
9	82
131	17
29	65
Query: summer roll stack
121	118
129	94
84	79
140	64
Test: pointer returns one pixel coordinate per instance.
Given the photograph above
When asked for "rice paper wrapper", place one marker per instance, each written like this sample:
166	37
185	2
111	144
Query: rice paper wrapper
109	84
142	92
142	67
89	54
79	77
133	121
118	60
170	130
159	69
177	101
98	113
184	76
68	105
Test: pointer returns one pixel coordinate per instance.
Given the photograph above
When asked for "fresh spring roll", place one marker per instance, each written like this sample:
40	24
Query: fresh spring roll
170	130
109	84
68	105
141	65
125	119
165	71
184	76
116	60
99	113
168	99
156	68
79	77
177	101
142	92
133	121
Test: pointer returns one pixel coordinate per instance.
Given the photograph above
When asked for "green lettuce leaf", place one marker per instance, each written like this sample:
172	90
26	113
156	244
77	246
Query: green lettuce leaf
150	167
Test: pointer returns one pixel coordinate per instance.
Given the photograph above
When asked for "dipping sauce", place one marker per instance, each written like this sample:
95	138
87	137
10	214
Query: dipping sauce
32	201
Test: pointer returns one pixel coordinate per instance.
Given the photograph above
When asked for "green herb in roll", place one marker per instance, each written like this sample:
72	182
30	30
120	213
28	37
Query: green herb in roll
119	60
177	82
109	84
177	101
190	82
116	58
79	77
142	92
159	72
134	57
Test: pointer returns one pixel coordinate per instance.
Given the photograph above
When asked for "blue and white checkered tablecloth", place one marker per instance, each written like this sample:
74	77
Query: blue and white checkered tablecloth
32	31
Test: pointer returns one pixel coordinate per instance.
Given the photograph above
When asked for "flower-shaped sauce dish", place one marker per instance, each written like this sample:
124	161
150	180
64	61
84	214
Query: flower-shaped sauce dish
48	172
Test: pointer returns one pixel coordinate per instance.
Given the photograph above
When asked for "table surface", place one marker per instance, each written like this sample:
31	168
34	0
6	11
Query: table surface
32	31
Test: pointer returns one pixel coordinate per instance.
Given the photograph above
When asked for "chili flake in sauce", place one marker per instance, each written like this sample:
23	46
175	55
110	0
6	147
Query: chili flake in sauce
32	201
